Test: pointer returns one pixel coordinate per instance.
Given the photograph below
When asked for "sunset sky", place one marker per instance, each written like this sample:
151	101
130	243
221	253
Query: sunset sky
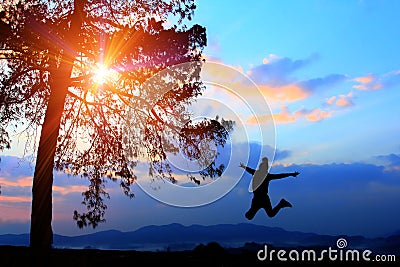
330	72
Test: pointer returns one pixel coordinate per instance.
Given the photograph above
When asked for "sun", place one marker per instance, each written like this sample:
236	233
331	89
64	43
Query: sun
102	74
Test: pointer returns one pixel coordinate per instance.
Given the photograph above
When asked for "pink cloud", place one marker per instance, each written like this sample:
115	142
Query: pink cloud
285	93
16	199
286	116
341	100
331	100
313	115
365	79
344	102
317	114
260	119
367	82
270	58
27	182
209	58
14	213
21	182
64	190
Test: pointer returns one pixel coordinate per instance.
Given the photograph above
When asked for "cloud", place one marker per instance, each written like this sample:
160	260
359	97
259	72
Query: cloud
391	79
209	58
331	100
13	209
365	79
284	93
273	77
329	80
64	190
283	116
286	116
327	199
367	82
21	182
314	115
391	161
270	58
343	101
276	70
282	154
340	101
260	119
16	199
355	198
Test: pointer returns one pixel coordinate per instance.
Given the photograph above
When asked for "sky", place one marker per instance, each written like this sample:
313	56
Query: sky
329	74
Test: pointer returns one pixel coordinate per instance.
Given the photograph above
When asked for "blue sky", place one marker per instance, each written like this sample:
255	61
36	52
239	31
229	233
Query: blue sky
329	49
330	72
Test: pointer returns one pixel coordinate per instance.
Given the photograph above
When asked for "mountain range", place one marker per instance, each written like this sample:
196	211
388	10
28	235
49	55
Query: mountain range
179	237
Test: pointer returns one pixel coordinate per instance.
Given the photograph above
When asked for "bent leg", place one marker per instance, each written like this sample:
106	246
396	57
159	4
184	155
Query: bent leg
271	212
256	204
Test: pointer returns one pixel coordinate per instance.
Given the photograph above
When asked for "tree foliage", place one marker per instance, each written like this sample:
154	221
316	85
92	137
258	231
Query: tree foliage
132	41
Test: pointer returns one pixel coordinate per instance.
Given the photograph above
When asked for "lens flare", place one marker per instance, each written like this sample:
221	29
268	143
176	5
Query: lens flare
102	74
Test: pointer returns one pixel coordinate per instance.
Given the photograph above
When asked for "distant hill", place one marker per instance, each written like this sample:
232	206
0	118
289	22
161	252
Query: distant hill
180	237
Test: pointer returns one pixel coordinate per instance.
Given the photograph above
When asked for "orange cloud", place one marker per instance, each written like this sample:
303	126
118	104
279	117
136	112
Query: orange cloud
318	115
260	119
285	93
270	58
284	116
22	182
377	86
344	102
15	199
27	182
69	189
14	213
361	87
331	100
341	100
368	82
365	79
313	115
209	58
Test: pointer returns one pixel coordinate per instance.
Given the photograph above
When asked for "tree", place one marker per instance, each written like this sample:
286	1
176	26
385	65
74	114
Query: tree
70	68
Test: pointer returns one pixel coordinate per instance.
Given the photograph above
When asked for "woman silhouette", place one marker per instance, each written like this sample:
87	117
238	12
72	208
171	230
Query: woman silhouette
260	183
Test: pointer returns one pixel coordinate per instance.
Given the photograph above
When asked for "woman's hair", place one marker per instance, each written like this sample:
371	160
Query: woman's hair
264	163
260	174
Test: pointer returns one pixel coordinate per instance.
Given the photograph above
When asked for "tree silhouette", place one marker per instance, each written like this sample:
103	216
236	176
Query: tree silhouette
70	69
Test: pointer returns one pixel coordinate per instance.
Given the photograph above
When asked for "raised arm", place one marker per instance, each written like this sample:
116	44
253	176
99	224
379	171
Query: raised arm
248	169
282	175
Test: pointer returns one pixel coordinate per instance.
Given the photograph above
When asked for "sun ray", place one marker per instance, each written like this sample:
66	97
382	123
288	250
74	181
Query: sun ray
101	74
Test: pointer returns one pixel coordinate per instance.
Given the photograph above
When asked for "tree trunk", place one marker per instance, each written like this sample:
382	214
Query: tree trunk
41	231
41	235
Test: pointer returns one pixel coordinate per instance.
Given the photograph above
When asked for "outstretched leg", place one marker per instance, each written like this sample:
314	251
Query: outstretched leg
271	212
256	204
